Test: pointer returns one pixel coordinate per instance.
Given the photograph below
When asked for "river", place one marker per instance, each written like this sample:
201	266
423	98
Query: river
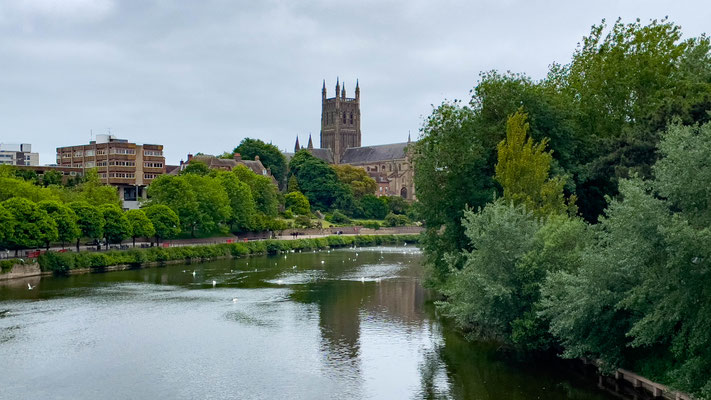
339	324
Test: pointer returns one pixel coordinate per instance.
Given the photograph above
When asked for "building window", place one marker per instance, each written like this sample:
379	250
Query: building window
351	118
101	152
89	164
149	176
344	117
157	153
115	150
89	153
78	153
153	165
67	155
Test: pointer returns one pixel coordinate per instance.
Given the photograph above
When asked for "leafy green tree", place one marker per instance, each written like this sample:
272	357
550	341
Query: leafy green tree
33	226
27	175
13	187
270	156
165	221
452	172
7	226
682	174
242	204
196	167
297	203
293	185
116	225
89	220
140	225
523	171
626	82
357	179
319	183
213	206
51	178
94	192
374	207
265	194
176	193
65	219
396	204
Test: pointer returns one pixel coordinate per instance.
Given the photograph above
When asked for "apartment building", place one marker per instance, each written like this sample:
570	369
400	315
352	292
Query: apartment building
18	154
128	166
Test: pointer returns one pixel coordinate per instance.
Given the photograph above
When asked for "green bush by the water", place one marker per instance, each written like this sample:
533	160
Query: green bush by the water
63	262
6	265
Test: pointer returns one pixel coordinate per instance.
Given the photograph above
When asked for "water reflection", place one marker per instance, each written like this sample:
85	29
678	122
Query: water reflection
353	323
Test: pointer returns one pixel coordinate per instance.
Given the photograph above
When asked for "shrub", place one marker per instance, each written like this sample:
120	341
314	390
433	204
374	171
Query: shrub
339	218
396	220
372	225
303	221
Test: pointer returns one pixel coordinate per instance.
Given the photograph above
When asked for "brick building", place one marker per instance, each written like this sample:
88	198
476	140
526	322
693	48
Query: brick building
128	166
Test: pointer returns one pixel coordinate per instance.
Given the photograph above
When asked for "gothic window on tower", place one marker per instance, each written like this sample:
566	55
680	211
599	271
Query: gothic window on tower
344	117
351	118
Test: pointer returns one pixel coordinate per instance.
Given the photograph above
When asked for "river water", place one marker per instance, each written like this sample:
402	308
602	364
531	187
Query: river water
339	324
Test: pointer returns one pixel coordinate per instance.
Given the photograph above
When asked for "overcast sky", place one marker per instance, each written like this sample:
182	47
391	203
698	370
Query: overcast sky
199	76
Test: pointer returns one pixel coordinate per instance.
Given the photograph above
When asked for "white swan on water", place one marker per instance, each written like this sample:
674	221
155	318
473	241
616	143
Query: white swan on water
214	283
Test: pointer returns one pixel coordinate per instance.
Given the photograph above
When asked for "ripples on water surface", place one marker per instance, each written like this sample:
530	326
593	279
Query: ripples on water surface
346	324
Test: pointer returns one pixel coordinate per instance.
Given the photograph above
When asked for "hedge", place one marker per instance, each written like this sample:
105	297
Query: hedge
63	262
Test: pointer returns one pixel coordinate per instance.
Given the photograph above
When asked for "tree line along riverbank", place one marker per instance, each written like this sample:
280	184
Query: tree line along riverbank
60	263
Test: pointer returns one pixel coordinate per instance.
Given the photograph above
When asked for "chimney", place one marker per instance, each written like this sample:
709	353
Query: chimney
256	158
237	157
190	157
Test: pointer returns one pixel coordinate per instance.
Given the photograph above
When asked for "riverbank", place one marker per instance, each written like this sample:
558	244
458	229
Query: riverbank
71	262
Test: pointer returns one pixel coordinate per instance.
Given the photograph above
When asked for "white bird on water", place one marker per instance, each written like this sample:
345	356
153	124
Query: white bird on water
323	262
214	283
234	299
193	274
362	279
29	287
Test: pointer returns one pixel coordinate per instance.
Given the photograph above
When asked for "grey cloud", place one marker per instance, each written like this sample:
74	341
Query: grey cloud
200	76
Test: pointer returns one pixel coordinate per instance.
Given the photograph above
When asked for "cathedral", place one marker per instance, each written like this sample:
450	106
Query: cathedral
390	165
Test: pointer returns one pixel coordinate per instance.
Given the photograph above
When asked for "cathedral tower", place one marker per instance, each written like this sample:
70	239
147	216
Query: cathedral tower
340	121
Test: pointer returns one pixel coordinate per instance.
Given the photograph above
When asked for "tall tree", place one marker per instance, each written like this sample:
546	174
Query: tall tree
213	207
270	156
64	217
89	219
265	194
165	221
523	171
94	192
176	193
319	183
116	226
7	226
140	224
452	173
297	203
196	167
242	205
357	179
33	227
